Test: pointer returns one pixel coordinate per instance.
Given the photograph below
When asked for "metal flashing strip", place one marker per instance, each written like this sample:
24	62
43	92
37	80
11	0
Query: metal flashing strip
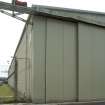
60	15
68	10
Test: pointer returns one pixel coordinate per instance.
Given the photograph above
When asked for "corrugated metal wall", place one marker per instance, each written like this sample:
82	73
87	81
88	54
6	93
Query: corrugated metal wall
38	59
91	62
56	55
60	61
21	66
63	61
23	56
24	61
54	61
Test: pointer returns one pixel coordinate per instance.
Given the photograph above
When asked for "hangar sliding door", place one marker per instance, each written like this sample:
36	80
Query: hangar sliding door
91	62
54	60
68	61
60	61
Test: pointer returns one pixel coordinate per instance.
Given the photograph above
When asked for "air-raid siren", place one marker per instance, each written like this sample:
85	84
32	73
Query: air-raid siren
20	3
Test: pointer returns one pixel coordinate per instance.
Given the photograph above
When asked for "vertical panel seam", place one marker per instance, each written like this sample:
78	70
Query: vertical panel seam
63	60
77	63
26	62
45	54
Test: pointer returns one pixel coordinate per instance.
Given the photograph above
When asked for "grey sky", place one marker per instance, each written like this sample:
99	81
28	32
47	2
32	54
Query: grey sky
11	29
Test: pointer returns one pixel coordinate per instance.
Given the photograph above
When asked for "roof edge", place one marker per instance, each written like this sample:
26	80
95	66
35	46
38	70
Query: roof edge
68	9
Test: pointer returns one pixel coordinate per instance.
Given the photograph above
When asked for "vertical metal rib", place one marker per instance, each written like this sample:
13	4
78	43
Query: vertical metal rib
45	54
77	64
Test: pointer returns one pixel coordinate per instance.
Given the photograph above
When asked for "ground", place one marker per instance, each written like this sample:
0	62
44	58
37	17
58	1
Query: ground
5	90
6	93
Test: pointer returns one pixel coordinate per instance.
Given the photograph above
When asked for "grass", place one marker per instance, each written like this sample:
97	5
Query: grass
5	90
7	93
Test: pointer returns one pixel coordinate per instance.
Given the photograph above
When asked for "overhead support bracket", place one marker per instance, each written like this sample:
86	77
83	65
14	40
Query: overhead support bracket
14	16
18	13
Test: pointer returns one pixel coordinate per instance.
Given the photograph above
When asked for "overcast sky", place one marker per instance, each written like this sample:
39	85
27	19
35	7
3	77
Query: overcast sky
11	29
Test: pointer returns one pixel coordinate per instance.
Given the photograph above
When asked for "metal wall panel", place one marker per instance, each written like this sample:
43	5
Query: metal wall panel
21	67
91	62
60	61
24	65
48	70
38	59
